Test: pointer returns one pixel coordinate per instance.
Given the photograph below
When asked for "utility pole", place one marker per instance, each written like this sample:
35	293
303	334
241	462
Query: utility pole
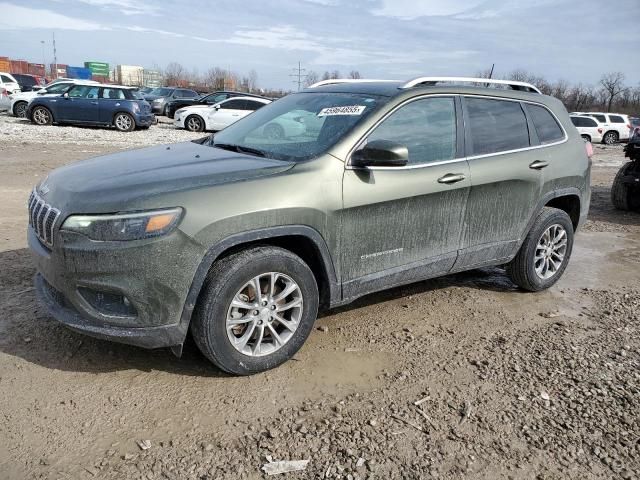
44	61
299	75
55	58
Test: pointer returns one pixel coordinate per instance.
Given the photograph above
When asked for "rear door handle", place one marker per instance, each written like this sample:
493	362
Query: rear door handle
450	178
539	165
94	103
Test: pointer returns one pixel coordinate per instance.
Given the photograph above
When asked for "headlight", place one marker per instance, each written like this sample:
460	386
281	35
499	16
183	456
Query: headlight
180	111
136	108
157	100
126	226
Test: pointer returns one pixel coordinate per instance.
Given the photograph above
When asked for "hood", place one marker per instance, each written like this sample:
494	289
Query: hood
123	181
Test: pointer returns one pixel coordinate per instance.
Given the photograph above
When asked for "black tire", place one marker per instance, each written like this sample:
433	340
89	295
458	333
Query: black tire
225	279
623	195
165	111
274	131
124	122
586	137
522	269
41	116
610	137
194	123
20	109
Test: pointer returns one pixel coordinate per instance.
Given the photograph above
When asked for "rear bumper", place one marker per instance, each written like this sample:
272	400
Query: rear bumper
146	337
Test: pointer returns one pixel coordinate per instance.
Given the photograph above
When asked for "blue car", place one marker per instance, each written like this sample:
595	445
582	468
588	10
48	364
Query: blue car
91	104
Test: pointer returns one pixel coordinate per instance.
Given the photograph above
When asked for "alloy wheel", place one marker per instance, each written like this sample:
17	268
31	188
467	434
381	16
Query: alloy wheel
41	116
550	251
610	138
194	124
123	122
21	110
264	314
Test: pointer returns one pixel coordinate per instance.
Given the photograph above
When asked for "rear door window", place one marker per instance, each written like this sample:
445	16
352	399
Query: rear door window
616	119
588	122
253	105
233	105
546	126
496	125
601	118
426	127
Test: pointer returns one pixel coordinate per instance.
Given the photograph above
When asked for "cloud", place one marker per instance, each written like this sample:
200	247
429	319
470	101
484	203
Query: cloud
411	9
15	17
126	7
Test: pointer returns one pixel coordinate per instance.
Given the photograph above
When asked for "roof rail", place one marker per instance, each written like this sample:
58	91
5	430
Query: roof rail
346	80
515	85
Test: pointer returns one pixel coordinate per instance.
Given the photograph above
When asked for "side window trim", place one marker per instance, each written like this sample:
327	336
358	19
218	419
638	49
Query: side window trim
460	139
469	154
534	140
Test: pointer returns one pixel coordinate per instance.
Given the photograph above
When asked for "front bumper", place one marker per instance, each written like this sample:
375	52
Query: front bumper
154	276
145	120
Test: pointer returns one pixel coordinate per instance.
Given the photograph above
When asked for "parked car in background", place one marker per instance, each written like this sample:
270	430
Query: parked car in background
9	83
20	101
160	97
198	118
617	126
588	127
26	82
5	101
208	99
145	90
106	105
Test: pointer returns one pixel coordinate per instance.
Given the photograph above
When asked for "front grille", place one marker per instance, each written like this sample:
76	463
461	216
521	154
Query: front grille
42	218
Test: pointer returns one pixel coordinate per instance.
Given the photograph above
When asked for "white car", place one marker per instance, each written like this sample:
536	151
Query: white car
198	118
20	101
588	127
8	82
617	126
4	100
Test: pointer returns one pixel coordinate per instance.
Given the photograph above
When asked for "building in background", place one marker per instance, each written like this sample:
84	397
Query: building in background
151	78
129	75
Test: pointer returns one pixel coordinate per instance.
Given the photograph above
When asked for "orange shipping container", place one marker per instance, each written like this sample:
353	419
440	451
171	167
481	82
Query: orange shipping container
19	66
5	65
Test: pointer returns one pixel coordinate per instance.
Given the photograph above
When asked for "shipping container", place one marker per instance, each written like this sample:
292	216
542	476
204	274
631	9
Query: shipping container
19	66
98	68
36	69
58	70
5	65
80	73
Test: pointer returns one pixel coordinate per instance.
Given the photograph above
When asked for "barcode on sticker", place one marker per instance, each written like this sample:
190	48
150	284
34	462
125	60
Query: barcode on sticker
346	110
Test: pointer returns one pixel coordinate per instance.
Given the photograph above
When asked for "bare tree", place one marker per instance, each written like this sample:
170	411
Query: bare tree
311	78
253	80
355	74
613	86
174	74
335	74
326	75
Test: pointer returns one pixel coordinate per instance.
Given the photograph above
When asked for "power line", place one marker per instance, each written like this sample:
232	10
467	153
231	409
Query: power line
299	75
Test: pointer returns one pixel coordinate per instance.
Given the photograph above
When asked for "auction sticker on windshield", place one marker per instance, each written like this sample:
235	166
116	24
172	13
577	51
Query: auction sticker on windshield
345	110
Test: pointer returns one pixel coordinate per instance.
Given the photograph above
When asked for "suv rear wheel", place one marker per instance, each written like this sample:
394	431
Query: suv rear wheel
256	310
545	252
610	138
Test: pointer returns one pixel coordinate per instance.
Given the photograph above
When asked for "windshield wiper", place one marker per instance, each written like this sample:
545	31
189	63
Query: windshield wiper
240	149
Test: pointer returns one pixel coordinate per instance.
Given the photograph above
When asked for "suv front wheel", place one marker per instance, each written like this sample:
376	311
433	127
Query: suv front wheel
256	310
545	252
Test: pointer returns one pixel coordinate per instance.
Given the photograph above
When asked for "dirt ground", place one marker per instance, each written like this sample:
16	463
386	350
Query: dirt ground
509	385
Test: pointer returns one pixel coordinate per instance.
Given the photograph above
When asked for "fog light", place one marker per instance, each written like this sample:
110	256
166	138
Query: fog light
108	303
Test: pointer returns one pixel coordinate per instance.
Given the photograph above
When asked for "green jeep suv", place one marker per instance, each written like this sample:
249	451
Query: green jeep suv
242	236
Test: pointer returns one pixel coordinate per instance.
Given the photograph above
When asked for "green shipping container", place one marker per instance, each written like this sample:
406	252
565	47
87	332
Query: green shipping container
98	68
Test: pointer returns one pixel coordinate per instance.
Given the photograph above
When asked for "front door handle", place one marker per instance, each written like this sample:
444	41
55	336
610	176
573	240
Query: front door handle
539	165
94	103
450	178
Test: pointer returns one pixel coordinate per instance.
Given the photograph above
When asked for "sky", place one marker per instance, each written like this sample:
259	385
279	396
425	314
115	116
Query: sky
394	39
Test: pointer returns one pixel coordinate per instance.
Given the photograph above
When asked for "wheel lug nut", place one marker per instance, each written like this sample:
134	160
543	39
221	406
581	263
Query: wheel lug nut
255	312
273	307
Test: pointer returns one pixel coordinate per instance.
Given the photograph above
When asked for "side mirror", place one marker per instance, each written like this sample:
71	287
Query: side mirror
216	107
65	95
381	153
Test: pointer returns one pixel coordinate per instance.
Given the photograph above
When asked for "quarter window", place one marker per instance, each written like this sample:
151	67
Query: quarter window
426	127
5	79
496	125
600	118
546	126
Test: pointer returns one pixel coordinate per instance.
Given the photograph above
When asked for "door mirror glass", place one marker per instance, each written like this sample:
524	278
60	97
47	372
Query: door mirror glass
65	95
381	153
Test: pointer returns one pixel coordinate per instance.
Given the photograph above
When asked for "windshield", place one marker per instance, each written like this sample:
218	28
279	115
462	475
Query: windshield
161	92
299	126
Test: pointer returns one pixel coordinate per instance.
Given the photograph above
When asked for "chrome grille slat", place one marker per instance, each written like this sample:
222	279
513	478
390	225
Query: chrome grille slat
42	218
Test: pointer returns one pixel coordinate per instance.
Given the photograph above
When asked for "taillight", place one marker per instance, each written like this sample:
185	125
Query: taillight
599	130
589	148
